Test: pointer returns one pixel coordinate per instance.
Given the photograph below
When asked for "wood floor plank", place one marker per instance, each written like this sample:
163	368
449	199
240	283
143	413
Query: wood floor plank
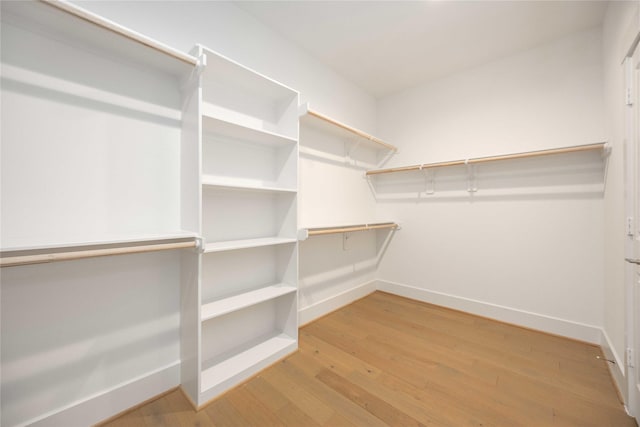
388	360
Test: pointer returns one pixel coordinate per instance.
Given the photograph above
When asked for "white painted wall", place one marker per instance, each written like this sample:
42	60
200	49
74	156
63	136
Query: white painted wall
621	17
531	259
73	331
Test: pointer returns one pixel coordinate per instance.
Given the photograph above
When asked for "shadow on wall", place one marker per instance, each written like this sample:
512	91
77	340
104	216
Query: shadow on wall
335	263
121	322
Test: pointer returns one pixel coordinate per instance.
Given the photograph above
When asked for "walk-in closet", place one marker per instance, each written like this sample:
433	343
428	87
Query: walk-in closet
319	213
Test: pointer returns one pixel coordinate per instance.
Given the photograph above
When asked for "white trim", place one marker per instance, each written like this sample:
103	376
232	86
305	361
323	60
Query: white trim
327	305
618	372
567	328
106	404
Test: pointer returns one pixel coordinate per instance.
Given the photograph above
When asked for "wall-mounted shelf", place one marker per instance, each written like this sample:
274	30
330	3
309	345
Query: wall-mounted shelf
67	21
601	146
304	233
325	132
577	169
69	252
344	131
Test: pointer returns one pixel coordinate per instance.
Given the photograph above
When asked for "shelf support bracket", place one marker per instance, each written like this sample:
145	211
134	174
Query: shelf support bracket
202	64
472	185
345	241
200	244
350	151
429	181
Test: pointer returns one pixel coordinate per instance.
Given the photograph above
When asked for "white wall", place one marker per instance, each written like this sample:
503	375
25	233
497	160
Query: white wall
620	18
533	259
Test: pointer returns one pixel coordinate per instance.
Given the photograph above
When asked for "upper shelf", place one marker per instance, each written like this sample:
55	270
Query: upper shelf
212	123
69	251
601	146
234	93
63	20
304	233
327	124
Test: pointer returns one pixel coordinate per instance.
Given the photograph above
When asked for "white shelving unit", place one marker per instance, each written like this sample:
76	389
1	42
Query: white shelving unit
243	140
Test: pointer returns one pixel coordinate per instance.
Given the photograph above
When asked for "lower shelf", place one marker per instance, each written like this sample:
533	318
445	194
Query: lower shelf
246	299
240	363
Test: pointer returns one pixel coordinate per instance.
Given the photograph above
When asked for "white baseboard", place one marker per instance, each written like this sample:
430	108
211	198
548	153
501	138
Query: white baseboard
320	308
618	370
552	325
101	406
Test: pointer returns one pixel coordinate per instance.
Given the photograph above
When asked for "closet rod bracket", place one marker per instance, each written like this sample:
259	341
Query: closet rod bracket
200	244
472	186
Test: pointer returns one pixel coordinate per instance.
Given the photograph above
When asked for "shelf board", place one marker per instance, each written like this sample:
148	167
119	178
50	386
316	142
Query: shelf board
597	147
237	184
318	231
96	242
250	358
232	245
213	123
237	302
329	125
224	69
69	22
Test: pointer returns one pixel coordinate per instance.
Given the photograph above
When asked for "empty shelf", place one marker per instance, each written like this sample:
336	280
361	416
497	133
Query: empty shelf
212	123
63	20
327	124
237	302
252	357
231	245
239	184
318	231
601	146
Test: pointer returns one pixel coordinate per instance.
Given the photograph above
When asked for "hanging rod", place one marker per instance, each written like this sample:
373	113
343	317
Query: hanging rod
358	132
112	27
13	261
346	229
527	154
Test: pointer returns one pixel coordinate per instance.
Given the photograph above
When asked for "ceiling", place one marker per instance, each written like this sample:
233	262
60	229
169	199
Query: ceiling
387	46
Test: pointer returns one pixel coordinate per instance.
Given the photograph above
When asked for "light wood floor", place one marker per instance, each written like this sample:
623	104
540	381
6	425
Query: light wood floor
387	360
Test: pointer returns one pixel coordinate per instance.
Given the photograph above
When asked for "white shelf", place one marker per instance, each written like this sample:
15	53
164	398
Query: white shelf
250	358
227	305
120	240
220	121
232	245
240	184
63	20
223	69
340	130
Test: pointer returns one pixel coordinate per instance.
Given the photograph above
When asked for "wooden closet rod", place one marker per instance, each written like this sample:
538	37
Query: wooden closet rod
350	228
527	154
12	261
352	130
107	25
